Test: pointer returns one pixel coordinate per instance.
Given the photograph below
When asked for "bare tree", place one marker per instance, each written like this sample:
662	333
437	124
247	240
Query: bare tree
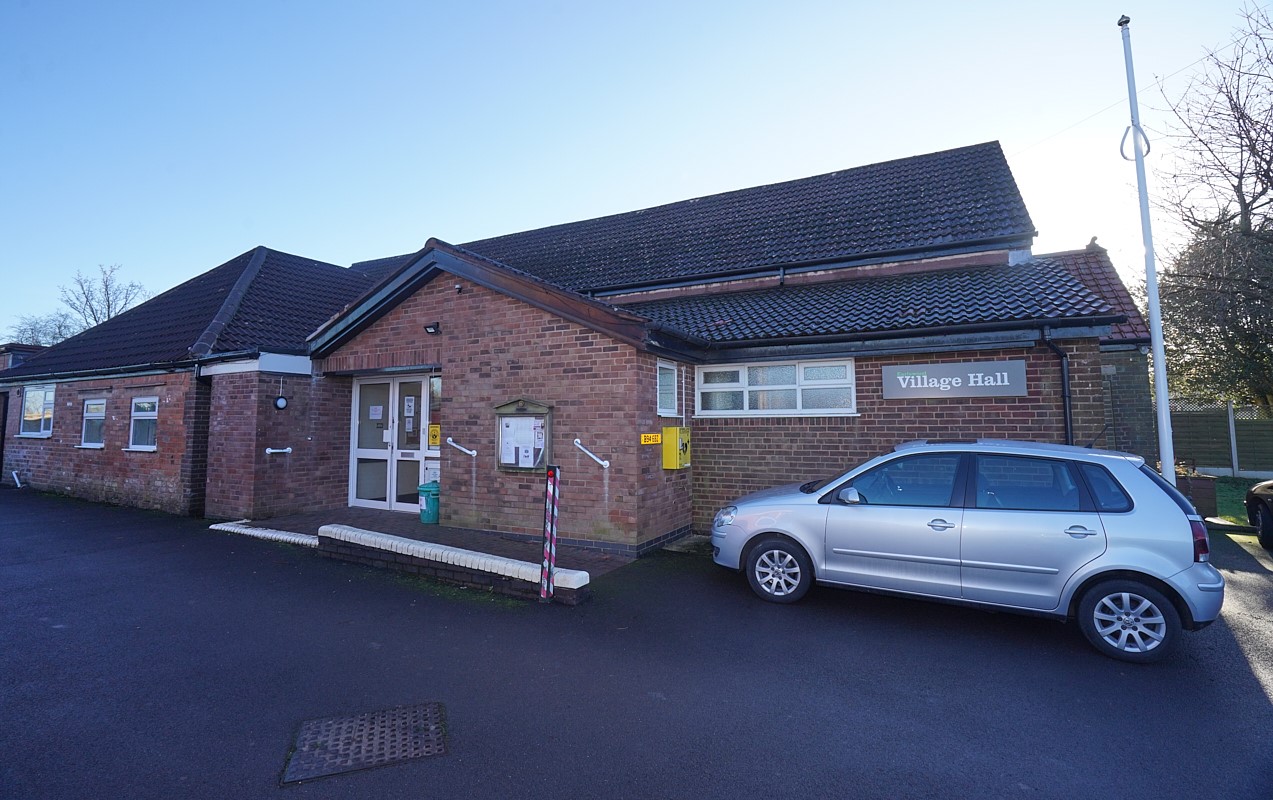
95	299
91	300
1216	291
45	329
1222	173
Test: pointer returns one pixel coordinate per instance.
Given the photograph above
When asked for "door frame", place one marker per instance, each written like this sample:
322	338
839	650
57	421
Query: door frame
392	455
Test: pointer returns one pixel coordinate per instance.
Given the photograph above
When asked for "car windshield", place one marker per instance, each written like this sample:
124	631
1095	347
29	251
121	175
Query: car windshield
817	486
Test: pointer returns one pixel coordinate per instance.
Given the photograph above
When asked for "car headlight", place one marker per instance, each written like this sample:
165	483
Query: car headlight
725	517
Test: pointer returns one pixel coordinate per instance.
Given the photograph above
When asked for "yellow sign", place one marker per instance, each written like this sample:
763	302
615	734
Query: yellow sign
435	436
651	438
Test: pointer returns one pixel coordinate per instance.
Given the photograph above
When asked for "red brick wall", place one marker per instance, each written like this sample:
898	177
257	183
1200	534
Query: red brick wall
159	479
493	350
244	482
736	456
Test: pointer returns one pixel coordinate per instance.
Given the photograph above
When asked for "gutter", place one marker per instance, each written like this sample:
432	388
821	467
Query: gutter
943	330
1065	383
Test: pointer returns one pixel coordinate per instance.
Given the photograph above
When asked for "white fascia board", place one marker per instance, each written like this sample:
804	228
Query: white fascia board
267	362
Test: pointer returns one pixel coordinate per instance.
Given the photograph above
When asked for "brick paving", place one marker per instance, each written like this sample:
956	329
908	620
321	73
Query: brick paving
594	562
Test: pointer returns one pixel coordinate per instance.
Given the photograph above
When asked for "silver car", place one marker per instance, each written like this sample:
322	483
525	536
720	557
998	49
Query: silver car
1044	529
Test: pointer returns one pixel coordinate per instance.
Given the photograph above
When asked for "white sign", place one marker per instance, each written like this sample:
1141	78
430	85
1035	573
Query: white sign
376	412
980	379
408	406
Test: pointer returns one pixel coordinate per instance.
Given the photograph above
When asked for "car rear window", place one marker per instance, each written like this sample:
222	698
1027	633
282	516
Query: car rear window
1171	491
1106	491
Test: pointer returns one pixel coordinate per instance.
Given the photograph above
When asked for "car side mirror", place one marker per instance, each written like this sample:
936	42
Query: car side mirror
849	496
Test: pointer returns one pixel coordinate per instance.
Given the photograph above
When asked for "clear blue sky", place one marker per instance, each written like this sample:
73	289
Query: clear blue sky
170	137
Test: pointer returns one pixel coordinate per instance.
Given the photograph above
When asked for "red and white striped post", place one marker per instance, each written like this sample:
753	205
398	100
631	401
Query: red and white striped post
551	494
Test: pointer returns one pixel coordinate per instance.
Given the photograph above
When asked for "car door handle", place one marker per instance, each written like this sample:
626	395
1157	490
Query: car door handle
941	525
1079	530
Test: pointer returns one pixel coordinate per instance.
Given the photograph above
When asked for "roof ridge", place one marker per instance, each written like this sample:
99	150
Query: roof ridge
208	339
860	168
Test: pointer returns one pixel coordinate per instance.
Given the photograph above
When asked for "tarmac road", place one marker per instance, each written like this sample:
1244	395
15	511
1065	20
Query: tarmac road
144	656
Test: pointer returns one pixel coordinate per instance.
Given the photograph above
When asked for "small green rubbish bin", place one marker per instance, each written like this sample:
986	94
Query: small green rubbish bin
429	502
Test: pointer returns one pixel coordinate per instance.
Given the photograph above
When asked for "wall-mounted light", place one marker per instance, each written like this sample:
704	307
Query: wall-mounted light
280	402
433	328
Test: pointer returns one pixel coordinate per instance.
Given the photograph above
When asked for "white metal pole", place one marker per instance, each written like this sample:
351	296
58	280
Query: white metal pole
1233	439
1162	400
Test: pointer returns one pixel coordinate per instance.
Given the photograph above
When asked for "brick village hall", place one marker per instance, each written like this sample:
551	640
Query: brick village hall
768	335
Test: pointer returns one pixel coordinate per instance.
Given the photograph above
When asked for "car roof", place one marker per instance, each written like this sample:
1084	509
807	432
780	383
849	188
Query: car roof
1017	447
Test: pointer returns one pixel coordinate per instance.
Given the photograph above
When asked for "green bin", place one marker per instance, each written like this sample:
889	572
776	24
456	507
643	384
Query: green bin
429	493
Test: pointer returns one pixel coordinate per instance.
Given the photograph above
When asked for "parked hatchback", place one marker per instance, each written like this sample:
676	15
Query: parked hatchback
1050	530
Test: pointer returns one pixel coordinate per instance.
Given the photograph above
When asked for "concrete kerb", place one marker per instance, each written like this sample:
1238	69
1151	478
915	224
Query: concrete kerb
526	574
288	537
455	556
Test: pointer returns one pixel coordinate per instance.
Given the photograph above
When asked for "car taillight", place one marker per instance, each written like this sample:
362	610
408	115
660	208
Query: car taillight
1201	544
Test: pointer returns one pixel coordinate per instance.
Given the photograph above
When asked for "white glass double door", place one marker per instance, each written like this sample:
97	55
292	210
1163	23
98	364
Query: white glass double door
389	442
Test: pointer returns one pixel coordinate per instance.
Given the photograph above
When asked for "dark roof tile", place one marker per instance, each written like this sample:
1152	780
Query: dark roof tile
286	299
1039	290
923	204
1093	267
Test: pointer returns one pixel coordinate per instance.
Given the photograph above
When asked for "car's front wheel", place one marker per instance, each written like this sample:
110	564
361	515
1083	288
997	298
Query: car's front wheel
1264	525
779	570
1129	621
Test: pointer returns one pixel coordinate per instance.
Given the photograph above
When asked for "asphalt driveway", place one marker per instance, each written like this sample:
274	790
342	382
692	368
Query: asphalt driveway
142	655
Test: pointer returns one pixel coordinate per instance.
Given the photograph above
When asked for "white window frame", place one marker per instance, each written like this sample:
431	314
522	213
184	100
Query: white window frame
92	415
135	415
47	392
675	409
741	385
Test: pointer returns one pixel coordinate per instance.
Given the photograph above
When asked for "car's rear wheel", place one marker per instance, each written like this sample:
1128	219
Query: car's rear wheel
1264	525
1129	621
779	570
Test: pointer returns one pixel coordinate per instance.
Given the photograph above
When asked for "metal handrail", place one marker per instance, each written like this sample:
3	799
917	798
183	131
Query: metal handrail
604	464
461	447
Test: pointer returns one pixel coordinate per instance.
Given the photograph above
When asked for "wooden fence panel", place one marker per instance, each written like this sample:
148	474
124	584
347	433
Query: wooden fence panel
1255	443
1201	437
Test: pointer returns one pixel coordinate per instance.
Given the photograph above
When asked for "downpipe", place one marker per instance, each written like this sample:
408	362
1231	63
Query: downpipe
1066	403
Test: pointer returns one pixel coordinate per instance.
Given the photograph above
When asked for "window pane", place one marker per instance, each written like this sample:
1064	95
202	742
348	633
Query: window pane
828	398
667	388
784	375
32	410
93	431
1108	494
769	399
722	401
722	376
144	432
917	481
145	406
95	407
1028	484
827	372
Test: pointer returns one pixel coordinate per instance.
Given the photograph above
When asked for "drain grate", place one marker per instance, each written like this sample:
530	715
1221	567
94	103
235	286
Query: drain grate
348	744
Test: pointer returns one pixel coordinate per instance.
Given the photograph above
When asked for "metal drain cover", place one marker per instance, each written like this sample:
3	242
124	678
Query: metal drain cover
348	744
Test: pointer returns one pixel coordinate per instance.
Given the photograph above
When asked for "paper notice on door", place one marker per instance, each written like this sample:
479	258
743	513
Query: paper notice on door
410	424
408	407
376	412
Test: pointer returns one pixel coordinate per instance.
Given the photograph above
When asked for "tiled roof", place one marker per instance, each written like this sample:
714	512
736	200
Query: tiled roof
1093	267
262	299
380	268
1039	290
925	204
